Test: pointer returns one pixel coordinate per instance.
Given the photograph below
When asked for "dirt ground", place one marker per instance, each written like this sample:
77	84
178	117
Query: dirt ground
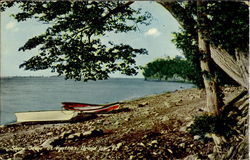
153	127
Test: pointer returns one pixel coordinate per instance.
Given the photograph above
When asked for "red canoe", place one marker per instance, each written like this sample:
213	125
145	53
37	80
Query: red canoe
90	108
76	104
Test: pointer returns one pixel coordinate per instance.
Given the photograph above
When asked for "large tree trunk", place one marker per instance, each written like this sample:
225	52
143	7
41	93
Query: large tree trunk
210	80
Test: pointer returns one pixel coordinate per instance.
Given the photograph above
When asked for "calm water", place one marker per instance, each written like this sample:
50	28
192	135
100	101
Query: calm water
47	93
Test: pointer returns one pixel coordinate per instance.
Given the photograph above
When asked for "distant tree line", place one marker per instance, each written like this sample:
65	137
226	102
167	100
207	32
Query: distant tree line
166	68
179	68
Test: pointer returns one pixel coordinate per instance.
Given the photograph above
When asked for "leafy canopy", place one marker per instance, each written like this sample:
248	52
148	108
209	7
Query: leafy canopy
165	68
71	46
228	28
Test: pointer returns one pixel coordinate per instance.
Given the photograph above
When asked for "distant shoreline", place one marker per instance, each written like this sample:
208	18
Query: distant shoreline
1	77
178	81
152	80
62	77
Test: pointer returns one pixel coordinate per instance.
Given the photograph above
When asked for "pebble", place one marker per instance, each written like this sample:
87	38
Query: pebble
167	105
178	103
94	132
142	104
117	147
154	153
36	141
182	145
117	123
72	136
78	134
165	118
23	154
211	156
191	157
87	133
154	142
49	134
183	129
127	119
49	142
170	151
142	144
197	137
66	133
217	139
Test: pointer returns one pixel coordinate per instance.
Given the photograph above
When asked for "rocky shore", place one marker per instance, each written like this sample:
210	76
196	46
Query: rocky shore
153	127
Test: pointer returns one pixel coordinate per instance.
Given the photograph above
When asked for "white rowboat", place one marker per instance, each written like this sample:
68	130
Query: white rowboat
37	116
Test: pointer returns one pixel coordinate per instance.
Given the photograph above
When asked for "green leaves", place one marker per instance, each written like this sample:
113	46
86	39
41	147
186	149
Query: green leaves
71	45
33	42
168	68
207	124
84	61
228	27
6	4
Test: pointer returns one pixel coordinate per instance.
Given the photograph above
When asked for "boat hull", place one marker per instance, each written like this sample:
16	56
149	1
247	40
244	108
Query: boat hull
37	116
73	111
90	108
76	104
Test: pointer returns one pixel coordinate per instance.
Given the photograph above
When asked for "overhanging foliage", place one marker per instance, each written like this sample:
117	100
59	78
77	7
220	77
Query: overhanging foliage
71	46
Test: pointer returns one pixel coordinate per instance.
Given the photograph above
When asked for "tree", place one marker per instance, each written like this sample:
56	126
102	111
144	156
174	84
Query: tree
71	45
189	47
221	56
165	68
226	38
214	101
186	15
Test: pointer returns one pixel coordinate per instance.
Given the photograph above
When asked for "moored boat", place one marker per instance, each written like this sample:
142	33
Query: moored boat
38	116
90	108
73	111
76	104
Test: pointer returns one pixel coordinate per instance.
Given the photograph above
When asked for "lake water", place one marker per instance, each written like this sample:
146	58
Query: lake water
46	93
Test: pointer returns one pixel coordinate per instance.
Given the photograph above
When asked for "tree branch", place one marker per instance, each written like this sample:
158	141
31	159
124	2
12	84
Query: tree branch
117	10
185	20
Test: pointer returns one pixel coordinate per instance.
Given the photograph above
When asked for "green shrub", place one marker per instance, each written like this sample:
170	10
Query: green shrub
205	124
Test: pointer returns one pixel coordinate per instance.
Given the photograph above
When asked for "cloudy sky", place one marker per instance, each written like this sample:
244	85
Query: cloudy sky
156	38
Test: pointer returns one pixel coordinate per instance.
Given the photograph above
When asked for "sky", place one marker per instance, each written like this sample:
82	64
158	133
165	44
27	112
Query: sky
156	38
